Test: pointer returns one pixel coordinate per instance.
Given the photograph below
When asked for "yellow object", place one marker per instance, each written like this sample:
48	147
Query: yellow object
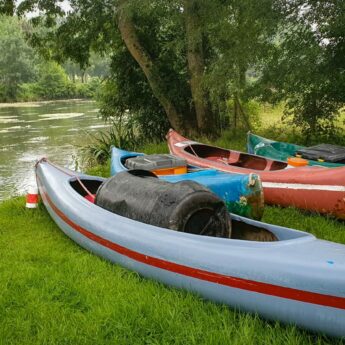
297	162
171	171
320	160
298	156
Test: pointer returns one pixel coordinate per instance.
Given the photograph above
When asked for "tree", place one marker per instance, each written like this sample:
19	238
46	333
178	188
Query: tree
16	58
242	33
174	43
53	82
307	67
7	7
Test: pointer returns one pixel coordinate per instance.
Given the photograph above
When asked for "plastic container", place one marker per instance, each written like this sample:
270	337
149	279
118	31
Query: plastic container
295	162
184	206
160	164
32	197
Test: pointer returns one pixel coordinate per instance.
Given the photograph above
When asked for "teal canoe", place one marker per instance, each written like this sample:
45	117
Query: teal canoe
278	150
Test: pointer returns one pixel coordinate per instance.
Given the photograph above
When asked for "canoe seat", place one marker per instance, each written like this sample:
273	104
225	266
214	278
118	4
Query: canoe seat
268	165
234	157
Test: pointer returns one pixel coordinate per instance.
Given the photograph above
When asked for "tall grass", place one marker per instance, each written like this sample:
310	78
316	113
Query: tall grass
121	133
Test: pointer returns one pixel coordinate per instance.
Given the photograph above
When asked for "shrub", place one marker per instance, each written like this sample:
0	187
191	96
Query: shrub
28	92
53	82
122	134
87	90
251	110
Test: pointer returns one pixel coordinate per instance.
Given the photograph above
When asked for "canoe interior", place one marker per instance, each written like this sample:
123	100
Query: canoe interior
234	158
280	150
91	185
240	230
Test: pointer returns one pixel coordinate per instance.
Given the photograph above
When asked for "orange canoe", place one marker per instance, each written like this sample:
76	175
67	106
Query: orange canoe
312	188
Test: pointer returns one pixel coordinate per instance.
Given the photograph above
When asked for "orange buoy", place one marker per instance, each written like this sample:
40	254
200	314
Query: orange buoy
297	162
32	197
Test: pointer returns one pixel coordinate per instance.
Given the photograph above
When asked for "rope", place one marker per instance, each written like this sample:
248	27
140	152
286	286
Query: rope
223	161
67	173
193	150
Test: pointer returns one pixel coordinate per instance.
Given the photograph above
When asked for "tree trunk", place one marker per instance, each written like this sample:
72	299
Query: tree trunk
242	77
244	114
146	63
235	113
196	65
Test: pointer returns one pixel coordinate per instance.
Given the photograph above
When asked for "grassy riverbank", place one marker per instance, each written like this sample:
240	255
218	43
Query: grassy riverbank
54	292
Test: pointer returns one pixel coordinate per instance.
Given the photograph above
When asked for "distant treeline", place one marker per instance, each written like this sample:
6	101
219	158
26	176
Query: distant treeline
25	75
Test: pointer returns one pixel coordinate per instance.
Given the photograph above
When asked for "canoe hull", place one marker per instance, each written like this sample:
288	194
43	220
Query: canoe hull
242	194
289	281
314	189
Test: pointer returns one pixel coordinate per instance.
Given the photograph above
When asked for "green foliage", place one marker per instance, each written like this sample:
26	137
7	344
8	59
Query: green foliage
17	59
136	101
292	50
26	77
89	89
251	109
240	35
122	134
307	67
98	67
53	82
7	7
236	35
27	92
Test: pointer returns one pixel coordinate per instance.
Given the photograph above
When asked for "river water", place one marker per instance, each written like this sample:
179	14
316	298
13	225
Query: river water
55	130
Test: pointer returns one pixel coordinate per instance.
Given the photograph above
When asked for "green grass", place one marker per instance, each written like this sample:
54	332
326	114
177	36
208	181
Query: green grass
54	292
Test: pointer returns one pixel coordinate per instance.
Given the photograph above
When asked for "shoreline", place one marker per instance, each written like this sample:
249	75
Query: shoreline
39	103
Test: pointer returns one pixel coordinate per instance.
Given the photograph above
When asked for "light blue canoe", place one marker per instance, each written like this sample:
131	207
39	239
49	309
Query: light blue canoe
297	279
242	193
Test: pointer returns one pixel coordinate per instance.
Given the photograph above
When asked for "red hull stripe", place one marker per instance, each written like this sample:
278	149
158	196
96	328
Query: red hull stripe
233	282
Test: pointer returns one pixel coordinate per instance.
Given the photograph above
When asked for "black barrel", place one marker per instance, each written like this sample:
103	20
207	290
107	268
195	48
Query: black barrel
183	206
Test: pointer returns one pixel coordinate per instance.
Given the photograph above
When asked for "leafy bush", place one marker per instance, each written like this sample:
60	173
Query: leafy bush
87	90
35	91
17	59
251	110
122	134
117	97
53	82
3	97
27	92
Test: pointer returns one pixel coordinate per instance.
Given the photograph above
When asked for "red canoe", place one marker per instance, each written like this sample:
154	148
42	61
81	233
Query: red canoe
310	188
